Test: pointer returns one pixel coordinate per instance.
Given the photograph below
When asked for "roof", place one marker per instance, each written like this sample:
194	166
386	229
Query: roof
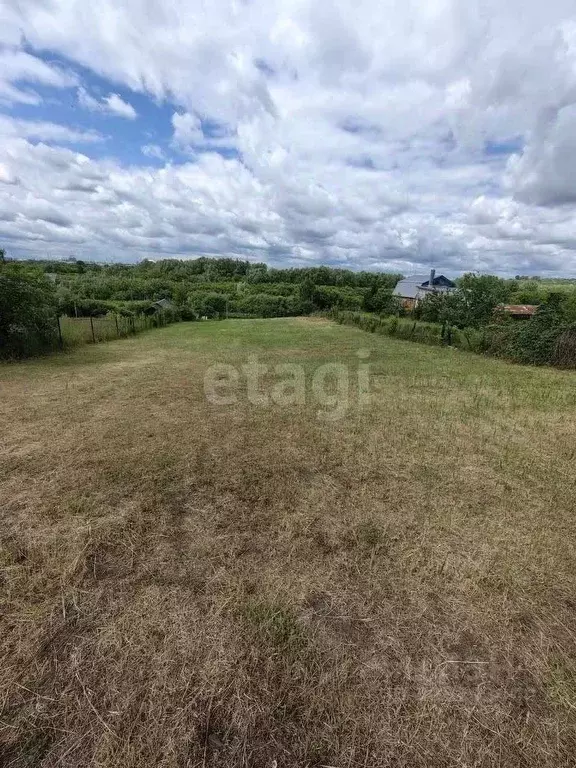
440	280
410	287
519	309
163	303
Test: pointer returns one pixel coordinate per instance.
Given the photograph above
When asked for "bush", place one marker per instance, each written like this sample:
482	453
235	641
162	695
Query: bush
426	333
565	348
544	340
534	344
207	304
533	341
27	316
264	305
467	338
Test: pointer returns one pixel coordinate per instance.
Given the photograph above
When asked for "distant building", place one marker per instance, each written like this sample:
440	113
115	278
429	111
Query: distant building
413	289
518	311
163	304
159	306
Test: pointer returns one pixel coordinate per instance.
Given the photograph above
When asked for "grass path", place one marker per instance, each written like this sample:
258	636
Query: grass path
187	584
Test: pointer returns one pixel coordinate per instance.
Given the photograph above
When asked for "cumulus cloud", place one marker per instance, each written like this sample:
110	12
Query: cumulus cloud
364	134
112	105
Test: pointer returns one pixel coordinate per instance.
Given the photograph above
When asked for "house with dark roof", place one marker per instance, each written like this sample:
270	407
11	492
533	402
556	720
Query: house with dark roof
413	289
159	306
163	304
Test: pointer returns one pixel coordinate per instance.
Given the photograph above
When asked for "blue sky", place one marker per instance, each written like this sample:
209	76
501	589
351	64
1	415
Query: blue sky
126	139
360	134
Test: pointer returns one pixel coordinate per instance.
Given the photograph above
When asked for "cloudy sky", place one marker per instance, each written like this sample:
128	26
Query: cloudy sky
370	134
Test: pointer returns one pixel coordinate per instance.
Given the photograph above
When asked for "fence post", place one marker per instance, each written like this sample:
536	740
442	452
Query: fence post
92	329
60	339
117	329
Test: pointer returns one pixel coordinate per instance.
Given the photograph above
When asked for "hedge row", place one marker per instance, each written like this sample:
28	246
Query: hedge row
540	341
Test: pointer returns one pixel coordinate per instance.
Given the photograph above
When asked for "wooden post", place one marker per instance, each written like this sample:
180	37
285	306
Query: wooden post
117	329
92	329
60	339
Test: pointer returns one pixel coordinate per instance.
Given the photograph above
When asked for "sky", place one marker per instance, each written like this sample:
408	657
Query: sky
363	134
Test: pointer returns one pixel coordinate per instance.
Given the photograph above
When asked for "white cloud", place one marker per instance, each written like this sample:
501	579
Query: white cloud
112	105
17	66
119	107
154	151
187	129
361	129
45	131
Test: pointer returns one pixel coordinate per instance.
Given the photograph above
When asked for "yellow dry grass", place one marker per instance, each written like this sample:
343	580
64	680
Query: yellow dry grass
185	584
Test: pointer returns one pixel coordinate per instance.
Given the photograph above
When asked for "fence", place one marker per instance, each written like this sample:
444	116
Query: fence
524	341
74	331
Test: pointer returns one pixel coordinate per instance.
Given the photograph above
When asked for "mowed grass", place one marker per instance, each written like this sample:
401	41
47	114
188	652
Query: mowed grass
187	584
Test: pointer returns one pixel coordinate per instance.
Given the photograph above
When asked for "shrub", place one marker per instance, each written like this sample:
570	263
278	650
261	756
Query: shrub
565	348
27	316
207	304
466	338
544	340
534	343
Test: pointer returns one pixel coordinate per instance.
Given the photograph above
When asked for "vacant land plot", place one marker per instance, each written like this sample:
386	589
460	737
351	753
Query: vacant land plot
191	584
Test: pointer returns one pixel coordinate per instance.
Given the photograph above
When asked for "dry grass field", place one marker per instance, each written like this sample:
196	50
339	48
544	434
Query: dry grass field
191	584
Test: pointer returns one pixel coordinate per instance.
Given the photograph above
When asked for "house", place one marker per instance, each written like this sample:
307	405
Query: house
163	304
413	289
518	311
159	306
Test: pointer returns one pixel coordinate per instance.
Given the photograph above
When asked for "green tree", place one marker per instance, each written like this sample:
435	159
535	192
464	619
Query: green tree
208	304
27	315
481	295
471	305
381	301
307	291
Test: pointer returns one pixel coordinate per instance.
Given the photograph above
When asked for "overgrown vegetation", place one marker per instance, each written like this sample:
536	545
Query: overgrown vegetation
544	340
471	318
28	311
197	288
209	287
217	288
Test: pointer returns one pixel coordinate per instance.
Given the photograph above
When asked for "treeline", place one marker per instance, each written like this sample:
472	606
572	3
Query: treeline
208	287
208	270
34	293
